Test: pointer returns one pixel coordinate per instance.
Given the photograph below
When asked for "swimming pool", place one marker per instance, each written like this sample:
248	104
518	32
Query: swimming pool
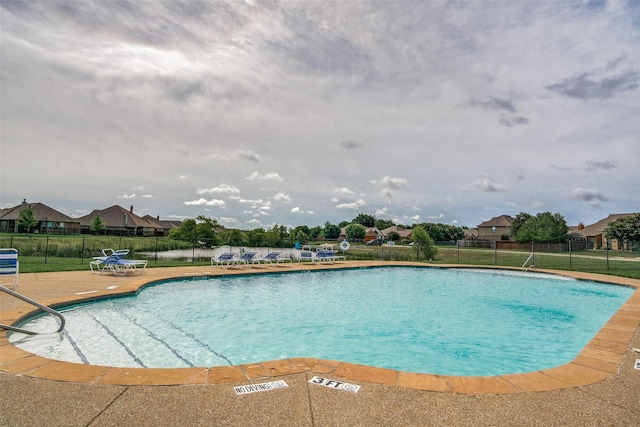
442	321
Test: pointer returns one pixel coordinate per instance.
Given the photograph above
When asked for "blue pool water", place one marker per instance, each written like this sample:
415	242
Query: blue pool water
429	320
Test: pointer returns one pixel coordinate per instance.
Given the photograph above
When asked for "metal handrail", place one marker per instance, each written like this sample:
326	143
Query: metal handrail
532	265
35	303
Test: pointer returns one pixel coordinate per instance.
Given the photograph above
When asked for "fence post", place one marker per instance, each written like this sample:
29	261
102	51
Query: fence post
607	250
495	253
156	257
457	251
46	250
570	265
82	253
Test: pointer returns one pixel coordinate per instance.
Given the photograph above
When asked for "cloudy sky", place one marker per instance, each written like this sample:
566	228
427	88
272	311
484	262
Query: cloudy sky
297	113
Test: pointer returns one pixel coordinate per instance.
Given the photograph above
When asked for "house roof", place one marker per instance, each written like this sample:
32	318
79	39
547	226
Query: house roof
160	223
597	228
498	221
116	216
41	211
402	232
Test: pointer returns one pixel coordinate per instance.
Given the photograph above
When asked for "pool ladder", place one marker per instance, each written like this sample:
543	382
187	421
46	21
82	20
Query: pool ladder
532	266
35	303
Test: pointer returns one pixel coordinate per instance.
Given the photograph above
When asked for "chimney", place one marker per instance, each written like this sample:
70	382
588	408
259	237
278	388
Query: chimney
24	204
581	226
131	209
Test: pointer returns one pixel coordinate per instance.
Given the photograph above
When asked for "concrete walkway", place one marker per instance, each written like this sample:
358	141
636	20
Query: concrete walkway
600	388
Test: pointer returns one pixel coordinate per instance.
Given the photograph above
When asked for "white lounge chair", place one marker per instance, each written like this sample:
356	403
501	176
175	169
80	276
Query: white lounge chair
226	258
117	265
306	254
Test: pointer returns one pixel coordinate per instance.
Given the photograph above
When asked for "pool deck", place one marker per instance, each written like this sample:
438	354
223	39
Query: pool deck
600	387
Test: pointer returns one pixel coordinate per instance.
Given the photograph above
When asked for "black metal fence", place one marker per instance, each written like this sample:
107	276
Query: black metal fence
573	255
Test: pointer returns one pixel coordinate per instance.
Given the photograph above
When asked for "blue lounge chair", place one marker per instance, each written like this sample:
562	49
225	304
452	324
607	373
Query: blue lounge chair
117	265
325	255
306	254
269	258
226	258
98	264
246	258
9	264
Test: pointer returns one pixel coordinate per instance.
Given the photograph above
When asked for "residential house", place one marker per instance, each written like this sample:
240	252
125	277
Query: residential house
594	233
495	228
372	233
48	220
405	234
162	227
118	221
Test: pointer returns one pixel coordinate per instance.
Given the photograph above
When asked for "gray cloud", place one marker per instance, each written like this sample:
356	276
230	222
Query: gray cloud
586	87
592	165
350	145
513	121
493	103
593	197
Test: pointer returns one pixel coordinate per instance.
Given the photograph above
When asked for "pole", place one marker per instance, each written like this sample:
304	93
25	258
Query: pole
46	250
495	252
570	266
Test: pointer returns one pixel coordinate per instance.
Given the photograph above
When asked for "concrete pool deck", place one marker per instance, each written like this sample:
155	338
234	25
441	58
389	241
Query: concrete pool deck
599	387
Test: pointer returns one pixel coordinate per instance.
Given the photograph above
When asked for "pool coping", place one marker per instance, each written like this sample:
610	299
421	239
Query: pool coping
600	359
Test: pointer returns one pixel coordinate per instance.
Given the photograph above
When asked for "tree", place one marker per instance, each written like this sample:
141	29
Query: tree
544	227
518	222
27	218
314	232
355	232
393	236
232	237
256	237
331	231
197	228
97	225
625	229
443	232
425	248
278	236
365	219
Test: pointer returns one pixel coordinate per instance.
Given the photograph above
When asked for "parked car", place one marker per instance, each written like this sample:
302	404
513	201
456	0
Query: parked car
375	242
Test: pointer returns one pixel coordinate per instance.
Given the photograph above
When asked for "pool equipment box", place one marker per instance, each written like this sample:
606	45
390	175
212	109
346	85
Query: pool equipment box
338	385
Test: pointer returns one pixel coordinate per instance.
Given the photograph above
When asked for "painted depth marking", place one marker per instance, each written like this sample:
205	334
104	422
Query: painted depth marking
254	388
637	364
338	385
86	292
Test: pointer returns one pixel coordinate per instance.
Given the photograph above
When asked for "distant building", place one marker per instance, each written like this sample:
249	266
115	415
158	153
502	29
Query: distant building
49	220
495	228
372	233
594	233
162	227
118	221
405	234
